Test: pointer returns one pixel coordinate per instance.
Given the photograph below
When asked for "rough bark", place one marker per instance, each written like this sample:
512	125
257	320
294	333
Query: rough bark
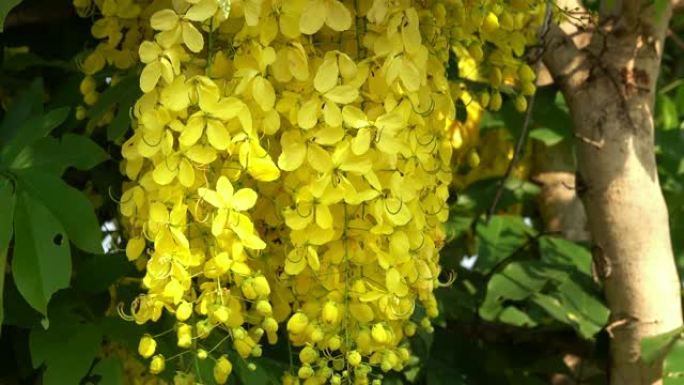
609	85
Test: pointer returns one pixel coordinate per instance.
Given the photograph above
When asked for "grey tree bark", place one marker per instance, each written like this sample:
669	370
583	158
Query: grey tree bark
608	74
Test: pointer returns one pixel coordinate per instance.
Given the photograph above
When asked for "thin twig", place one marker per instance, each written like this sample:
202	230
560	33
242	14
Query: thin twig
678	41
520	144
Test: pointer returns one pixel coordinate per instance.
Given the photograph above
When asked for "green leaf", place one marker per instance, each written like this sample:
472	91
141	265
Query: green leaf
587	314
110	371
516	282
258	376
71	206
42	259
446	365
122	96
98	272
67	350
673	366
660	7
667	111
29	102
57	155
457	226
7	199
498	239
31	130
552	306
548	136
551	112
657	346
563	252
122	120
25	60
5	8
514	316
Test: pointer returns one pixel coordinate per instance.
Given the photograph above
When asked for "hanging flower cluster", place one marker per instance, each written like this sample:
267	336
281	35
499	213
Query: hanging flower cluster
290	163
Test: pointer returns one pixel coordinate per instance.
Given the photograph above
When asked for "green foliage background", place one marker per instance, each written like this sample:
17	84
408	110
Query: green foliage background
527	302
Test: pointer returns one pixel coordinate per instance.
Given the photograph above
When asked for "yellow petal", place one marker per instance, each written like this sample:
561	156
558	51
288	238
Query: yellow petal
169	39
312	258
263	169
295	262
297	59
323	216
362	312
134	248
186	173
193	130
338	16
175	96
263	93
327	75
343	94
348	68
150	76
180	238
158	212
201	154
410	75
397	211
244	199
219	222
410	32
307	117
201	11
252	10
294	151
164	20
395	282
332	115
390	122
225	189
165	171
313	17
318	158
361	142
271	123
253	242
210	196
241	268
217	135
226	109
192	37
299	218
354	117
329	135
149	51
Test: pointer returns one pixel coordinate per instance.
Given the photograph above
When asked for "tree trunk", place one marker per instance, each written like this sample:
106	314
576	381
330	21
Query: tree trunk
610	86
553	169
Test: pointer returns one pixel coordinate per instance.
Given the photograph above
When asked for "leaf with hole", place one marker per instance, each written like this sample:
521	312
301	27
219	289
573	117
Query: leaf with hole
41	262
71	206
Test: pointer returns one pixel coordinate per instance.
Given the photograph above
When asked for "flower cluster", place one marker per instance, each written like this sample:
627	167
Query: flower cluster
290	164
